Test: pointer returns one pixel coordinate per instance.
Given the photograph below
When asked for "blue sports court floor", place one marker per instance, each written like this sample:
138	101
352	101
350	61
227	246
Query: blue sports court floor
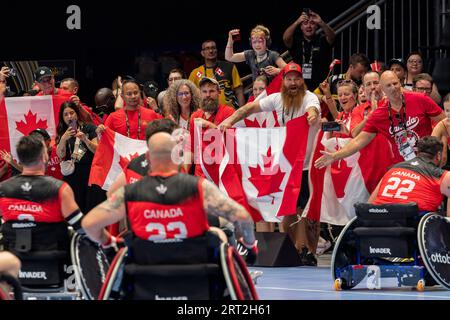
315	283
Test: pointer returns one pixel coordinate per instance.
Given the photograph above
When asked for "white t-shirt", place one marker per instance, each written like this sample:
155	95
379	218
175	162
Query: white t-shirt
274	102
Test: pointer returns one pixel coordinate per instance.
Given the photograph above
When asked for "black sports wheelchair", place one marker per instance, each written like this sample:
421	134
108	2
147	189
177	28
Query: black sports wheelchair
47	255
392	241
200	268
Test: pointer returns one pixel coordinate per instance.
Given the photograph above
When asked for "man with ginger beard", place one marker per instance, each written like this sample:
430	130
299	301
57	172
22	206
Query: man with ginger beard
293	101
211	112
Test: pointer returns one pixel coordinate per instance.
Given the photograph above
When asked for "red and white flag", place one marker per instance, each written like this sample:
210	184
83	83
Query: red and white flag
261	168
113	154
336	188
19	116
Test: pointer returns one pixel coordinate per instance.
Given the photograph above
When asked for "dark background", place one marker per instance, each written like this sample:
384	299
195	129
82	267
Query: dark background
114	36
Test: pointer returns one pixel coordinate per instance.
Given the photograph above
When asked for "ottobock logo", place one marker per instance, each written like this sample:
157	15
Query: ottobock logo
23	225
438	258
380	250
373	210
170	298
33	275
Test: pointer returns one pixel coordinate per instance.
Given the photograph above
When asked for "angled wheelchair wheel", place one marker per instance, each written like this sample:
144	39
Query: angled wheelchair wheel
235	272
433	237
114	275
90	265
14	284
344	254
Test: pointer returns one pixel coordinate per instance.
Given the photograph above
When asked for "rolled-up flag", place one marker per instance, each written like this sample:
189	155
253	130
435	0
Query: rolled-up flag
335	62
375	66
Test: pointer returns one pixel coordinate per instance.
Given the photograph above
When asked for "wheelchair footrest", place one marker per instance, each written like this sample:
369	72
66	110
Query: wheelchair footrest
406	275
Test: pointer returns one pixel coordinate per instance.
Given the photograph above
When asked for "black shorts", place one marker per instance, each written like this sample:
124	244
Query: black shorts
303	197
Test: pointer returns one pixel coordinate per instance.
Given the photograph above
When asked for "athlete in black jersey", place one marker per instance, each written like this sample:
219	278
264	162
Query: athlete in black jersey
34	197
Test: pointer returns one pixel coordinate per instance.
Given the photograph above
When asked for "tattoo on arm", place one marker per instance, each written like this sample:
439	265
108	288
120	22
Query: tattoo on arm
242	113
218	204
115	201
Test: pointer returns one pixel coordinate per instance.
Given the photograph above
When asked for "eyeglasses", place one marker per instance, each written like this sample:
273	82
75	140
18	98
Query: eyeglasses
183	94
415	61
209	48
174	79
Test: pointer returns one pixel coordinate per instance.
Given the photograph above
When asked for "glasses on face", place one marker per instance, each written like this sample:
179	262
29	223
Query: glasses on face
183	94
212	48
423	89
415	61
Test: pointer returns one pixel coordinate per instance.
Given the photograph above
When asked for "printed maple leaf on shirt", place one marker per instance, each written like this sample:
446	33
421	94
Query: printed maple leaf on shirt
124	161
267	179
30	123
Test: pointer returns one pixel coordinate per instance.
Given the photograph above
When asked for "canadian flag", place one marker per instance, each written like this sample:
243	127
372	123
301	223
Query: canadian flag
261	168
19	116
113	154
336	188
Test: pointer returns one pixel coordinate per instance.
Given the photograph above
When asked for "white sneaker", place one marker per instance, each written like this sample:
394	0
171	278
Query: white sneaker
322	246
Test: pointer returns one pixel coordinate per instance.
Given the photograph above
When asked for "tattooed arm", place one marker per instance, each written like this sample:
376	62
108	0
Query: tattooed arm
218	204
241	113
108	212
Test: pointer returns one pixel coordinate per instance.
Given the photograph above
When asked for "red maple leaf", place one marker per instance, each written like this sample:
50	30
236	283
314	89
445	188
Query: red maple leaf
30	123
254	123
124	161
340	173
267	179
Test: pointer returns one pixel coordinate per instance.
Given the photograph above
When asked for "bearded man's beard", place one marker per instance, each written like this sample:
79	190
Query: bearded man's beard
210	105
292	97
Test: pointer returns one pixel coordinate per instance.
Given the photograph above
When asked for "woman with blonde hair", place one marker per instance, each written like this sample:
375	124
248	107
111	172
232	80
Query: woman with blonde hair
260	59
182	98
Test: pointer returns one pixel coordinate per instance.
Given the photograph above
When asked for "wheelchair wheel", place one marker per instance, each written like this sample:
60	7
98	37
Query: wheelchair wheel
113	274
237	277
90	266
14	284
344	254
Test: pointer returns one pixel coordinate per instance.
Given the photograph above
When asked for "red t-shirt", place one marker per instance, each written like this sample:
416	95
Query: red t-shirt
419	110
117	122
53	166
412	181
223	113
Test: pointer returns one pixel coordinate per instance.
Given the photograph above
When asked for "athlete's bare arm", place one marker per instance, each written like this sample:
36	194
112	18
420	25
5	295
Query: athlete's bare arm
108	212
218	204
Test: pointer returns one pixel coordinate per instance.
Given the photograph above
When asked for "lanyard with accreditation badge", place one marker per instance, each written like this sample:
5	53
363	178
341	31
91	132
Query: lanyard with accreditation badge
401	137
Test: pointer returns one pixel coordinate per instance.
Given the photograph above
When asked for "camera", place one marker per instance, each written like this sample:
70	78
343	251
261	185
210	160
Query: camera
307	11
331	126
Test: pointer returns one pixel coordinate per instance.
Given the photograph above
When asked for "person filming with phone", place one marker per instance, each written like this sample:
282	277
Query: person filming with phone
308	48
76	144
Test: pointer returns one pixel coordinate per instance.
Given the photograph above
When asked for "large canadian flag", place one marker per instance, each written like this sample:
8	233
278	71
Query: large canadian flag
260	167
19	116
113	154
336	188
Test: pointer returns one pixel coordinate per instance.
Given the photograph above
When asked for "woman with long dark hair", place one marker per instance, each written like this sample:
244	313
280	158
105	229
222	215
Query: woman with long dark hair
76	140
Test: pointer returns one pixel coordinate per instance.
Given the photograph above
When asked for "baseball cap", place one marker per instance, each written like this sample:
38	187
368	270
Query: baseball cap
42	72
210	80
292	67
399	61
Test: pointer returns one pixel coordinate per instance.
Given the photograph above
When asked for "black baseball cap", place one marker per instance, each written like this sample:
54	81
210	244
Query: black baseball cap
398	61
42	72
